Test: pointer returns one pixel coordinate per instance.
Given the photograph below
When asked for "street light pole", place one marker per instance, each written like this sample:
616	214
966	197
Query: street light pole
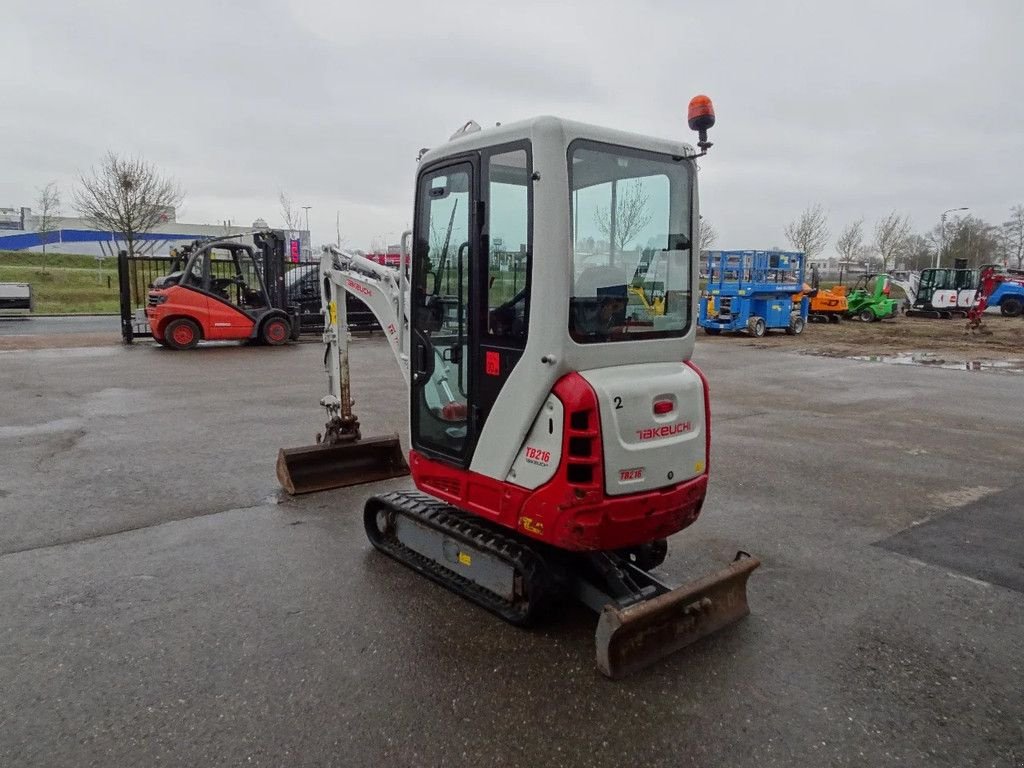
310	243
942	233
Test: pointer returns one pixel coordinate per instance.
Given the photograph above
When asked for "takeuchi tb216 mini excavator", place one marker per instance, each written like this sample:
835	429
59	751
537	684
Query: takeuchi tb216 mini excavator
559	432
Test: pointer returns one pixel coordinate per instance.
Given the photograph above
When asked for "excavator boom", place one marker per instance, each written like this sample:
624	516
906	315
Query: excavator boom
341	456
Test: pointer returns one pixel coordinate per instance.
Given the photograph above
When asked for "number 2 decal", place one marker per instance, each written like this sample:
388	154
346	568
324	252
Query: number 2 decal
618	403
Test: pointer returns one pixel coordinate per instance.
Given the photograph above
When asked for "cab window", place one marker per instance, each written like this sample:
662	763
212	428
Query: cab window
631	224
508	198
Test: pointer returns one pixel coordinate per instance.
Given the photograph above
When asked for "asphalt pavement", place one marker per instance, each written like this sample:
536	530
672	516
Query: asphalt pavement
58	324
163	604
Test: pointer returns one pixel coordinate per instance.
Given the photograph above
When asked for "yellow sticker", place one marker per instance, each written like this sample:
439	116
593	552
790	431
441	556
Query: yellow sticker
332	310
465	559
698	466
531	525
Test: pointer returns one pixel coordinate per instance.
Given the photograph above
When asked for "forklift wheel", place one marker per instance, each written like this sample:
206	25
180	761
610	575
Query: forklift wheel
796	325
712	331
275	332
757	327
181	334
867	315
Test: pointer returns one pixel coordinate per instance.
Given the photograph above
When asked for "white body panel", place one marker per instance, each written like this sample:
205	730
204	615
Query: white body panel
541	452
643	450
953	299
15	299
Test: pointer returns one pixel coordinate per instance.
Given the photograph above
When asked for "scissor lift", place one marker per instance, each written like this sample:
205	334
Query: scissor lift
753	291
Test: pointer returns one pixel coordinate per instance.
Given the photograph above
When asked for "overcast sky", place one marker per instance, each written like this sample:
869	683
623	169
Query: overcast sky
863	106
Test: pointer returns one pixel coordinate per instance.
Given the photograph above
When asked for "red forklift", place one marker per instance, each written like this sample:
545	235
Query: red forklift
224	290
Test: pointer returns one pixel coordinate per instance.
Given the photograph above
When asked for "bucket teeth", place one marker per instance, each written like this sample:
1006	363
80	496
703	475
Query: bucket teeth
320	467
632	638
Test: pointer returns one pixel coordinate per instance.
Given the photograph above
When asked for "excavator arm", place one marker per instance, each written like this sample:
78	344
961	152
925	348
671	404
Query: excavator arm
341	456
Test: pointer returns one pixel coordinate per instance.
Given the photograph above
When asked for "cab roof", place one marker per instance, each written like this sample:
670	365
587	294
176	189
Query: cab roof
549	130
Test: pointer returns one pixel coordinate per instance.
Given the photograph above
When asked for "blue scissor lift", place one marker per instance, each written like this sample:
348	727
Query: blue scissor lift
753	291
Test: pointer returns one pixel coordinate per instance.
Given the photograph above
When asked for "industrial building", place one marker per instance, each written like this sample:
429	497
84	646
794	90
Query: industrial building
19	231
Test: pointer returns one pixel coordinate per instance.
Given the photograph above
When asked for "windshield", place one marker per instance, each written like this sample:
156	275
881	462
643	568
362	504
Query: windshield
631	219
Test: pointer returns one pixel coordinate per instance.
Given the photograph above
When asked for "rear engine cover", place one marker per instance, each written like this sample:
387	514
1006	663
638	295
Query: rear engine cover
652	425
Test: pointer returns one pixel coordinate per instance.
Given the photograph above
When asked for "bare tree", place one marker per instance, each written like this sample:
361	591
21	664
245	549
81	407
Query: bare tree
708	234
292	218
127	196
972	239
1013	234
850	241
866	257
631	216
48	204
809	233
919	252
892	237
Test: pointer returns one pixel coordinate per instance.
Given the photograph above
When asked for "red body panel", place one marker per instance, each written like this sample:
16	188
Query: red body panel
571	511
227	323
216	319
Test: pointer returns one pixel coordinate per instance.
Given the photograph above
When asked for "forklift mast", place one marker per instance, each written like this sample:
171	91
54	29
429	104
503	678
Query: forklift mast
271	245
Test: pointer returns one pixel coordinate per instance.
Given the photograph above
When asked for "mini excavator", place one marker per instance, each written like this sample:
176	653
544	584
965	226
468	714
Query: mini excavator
559	432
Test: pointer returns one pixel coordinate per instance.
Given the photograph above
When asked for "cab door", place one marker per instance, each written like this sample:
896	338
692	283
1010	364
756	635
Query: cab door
443	326
505	268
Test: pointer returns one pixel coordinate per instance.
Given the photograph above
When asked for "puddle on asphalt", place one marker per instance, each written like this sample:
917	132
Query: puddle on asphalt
933	360
43	428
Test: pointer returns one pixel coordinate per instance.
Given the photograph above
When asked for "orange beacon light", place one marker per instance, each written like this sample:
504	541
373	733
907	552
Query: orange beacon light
700	116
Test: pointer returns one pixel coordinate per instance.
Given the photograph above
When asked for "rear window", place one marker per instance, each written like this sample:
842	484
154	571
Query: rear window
631	244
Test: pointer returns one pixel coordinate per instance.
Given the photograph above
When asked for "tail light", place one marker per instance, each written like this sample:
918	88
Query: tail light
582	447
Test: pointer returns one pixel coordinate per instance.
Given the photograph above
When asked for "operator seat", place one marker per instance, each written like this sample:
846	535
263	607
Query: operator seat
595	287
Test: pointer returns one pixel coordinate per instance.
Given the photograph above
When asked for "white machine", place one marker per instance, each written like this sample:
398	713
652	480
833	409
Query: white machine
559	430
15	299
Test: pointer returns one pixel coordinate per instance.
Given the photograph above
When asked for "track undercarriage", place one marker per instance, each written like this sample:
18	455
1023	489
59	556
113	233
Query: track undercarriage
641	619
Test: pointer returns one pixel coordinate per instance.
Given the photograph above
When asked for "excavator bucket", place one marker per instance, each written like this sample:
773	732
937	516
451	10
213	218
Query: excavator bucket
320	467
631	638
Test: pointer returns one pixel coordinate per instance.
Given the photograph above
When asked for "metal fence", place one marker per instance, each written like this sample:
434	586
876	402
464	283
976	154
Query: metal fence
135	275
303	281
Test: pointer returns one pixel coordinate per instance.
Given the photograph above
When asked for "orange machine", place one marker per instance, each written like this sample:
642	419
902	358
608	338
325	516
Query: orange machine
226	291
827	305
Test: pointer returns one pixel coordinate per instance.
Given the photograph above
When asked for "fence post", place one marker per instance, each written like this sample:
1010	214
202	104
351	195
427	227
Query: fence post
125	287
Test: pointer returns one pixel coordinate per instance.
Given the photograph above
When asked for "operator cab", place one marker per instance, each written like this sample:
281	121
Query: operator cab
946	288
228	272
542	248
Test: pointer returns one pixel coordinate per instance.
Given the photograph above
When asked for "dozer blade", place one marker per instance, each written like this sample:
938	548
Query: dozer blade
631	638
319	467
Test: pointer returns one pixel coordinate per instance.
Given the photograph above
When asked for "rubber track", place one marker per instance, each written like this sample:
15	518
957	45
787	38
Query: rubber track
475	533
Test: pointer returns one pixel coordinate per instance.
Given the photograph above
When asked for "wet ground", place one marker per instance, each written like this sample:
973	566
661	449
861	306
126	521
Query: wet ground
162	606
35	325
999	339
48	332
